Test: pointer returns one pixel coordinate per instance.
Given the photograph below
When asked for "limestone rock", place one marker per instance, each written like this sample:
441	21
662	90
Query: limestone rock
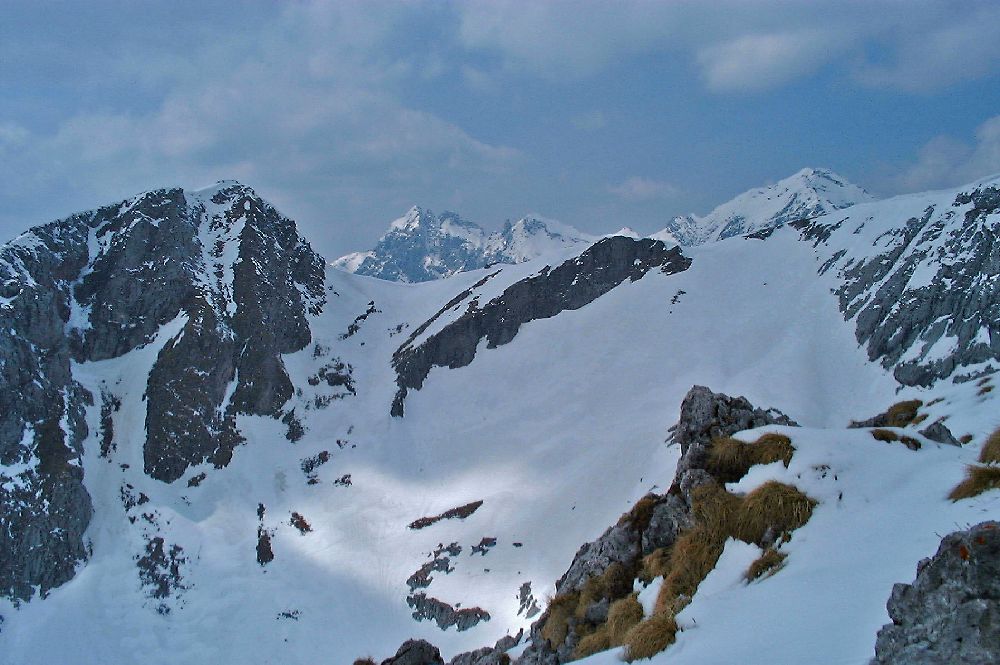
951	612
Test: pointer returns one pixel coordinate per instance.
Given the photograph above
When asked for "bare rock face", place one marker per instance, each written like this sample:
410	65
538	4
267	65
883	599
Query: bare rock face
921	302
416	652
222	263
706	415
951	612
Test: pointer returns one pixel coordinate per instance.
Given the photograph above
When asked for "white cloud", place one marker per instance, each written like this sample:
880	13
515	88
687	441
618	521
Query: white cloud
637	189
945	161
761	61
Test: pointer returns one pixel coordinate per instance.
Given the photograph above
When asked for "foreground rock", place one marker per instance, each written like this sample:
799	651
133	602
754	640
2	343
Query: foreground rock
951	612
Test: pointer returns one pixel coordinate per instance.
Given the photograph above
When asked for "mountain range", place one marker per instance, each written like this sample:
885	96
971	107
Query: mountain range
735	446
421	246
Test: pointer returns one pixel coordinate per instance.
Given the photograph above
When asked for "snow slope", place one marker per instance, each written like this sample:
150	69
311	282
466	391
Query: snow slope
808	193
557	432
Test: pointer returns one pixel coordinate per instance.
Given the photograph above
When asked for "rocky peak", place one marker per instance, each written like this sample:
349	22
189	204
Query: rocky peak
805	194
421	246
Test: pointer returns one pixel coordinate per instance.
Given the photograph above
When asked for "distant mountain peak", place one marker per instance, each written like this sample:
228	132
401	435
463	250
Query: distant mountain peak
421	246
807	193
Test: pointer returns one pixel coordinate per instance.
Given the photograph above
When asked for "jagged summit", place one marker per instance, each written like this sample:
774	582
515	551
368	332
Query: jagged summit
807	193
421	246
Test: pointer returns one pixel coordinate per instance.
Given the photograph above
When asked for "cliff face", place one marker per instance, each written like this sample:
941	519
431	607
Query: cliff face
223	267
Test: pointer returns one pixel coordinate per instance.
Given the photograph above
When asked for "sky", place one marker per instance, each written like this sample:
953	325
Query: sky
598	114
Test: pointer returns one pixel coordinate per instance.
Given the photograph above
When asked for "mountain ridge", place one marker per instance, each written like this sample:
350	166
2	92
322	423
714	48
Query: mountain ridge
196	441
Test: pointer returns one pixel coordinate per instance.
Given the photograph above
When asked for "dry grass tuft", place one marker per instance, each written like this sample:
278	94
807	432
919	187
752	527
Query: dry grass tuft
767	563
622	616
655	564
593	643
985	389
365	661
978	479
650	637
641	513
694	556
561	608
902	414
730	459
889	436
965	438
773	509
715	509
990	454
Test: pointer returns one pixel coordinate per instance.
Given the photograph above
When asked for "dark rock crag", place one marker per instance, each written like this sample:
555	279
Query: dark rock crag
951	611
570	286
224	264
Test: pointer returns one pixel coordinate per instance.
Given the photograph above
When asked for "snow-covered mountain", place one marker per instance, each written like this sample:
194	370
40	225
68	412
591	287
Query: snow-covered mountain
808	193
214	448
422	246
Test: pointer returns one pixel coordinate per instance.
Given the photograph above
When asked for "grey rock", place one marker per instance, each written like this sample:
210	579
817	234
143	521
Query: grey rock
706	415
619	543
569	286
896	320
670	517
496	655
416	652
445	615
951	612
938	431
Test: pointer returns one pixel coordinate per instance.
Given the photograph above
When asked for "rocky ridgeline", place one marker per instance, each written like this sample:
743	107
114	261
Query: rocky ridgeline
922	302
97	285
571	285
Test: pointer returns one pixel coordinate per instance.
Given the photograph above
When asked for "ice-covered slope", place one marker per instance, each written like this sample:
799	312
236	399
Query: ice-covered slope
806	194
296	548
422	246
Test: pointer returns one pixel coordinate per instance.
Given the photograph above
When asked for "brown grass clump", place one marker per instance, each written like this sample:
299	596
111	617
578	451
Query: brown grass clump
615	582
650	637
715	509
965	438
886	435
902	414
596	642
889	436
623	614
641	513
985	389
990	454
766	564
561	608
978	479
773	509
730	459
655	564
694	556
365	661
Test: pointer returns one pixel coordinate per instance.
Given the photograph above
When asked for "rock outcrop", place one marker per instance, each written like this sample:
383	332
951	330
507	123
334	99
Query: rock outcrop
951	612
657	520
925	298
416	652
222	265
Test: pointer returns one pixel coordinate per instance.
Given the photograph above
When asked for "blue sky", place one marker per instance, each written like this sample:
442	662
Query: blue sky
599	114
